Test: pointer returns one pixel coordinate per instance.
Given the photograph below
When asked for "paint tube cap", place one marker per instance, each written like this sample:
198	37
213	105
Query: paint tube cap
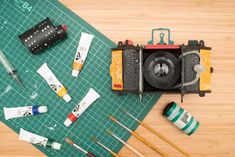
75	73
42	109
56	145
67	98
67	122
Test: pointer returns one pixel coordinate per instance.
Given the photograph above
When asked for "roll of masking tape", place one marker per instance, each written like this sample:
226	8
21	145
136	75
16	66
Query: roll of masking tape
181	118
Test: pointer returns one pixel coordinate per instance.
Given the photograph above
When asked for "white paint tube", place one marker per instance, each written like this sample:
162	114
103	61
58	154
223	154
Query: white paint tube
38	140
81	54
89	98
53	82
17	112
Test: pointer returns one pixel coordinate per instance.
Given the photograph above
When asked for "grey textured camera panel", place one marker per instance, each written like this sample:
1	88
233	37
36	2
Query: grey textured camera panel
131	69
189	74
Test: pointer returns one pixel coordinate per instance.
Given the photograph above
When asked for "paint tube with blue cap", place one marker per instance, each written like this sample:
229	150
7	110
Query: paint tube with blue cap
17	112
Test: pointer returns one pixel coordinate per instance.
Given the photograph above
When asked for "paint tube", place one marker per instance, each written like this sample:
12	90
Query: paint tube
81	54
38	140
53	82
89	98
16	112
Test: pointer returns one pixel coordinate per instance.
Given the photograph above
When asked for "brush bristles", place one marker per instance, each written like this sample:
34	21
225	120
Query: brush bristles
93	138
109	132
69	141
112	118
125	111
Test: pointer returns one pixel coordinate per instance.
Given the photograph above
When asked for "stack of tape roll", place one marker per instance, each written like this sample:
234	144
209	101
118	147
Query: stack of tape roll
181	118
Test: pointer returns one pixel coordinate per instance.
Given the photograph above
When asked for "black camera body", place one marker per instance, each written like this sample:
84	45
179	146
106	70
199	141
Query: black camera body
162	67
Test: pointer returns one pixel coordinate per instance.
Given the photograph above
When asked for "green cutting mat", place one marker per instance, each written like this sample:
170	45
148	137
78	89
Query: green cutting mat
16	16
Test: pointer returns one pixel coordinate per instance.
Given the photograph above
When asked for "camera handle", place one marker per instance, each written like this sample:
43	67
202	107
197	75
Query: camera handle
199	68
162	35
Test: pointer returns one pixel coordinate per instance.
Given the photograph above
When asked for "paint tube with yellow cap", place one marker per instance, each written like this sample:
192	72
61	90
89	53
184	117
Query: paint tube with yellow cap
53	82
81	54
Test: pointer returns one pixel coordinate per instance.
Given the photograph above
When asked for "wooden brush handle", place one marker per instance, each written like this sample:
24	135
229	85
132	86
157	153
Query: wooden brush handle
114	154
164	139
148	144
134	150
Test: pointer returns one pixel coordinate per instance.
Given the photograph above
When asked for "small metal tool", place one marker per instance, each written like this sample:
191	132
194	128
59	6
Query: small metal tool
9	68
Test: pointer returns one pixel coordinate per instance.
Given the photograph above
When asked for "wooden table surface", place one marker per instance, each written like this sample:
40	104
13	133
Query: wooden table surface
212	21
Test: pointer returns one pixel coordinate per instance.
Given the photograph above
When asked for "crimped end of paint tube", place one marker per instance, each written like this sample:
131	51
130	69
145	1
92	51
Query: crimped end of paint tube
112	118
67	98
56	146
5	113
67	122
75	73
69	141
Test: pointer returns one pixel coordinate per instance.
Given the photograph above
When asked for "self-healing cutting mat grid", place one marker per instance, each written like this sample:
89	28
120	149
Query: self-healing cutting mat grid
18	16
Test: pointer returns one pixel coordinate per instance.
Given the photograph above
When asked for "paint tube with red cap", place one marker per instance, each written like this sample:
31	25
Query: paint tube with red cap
89	98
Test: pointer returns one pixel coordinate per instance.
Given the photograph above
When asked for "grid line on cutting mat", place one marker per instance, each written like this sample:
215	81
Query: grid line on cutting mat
95	74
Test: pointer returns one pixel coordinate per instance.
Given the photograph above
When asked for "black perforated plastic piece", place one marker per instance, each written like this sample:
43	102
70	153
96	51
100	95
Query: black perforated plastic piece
42	36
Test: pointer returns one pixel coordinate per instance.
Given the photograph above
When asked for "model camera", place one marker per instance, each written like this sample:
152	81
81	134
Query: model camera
162	67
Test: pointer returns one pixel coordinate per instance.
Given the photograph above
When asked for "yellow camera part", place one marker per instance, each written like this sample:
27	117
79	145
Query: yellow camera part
116	70
205	77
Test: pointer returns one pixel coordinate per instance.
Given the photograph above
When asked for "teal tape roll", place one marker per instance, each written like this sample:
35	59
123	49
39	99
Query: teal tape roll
181	118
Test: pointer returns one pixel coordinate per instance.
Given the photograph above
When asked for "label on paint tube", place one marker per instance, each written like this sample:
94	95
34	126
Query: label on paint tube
89	98
81	54
53	82
38	140
16	112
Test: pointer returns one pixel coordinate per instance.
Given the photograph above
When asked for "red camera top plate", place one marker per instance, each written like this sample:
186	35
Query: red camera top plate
162	46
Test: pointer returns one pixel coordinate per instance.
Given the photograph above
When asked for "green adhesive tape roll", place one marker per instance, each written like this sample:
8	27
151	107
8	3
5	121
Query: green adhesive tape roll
181	118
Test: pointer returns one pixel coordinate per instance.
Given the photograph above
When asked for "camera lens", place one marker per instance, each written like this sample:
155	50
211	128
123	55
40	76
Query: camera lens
161	70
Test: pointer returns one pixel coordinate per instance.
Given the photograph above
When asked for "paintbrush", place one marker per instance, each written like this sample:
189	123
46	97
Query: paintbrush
78	147
156	133
106	148
135	134
126	144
